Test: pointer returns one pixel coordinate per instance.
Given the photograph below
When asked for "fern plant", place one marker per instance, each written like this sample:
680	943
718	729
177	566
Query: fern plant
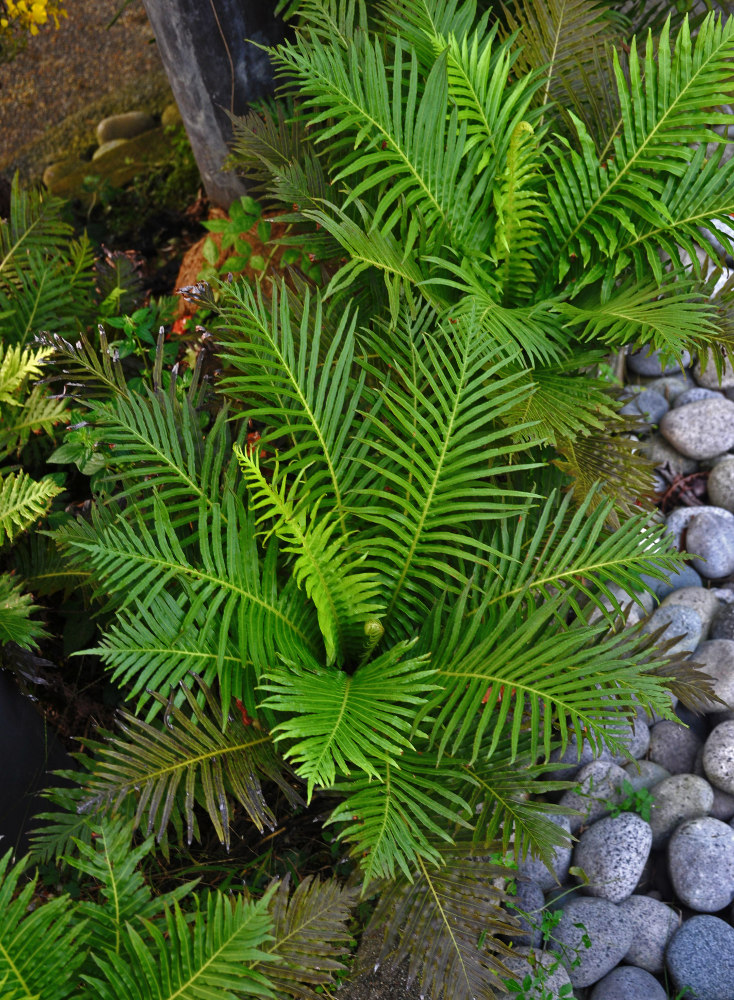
354	542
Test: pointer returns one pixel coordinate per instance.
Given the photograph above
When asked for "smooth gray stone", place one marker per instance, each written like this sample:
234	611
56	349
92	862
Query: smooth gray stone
637	741
701	956
680	517
716	658
653	924
679	797
679	622
670	386
535	869
628	983
645	773
124	126
674	747
686	577
661	452
720	484
703	602
553	980
612	853
107	146
648	404
718	757
710	539
700	430
701	864
599	785
723	806
635	606
527	905
694	396
609	934
645	361
575	760
708	377
722	627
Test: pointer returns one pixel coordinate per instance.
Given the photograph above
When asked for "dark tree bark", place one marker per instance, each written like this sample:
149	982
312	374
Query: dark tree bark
213	67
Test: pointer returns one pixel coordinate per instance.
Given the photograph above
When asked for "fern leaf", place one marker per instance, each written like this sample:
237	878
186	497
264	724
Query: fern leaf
41	948
446	923
396	823
22	501
34	225
344	721
16	608
216	759
209	955
17	366
124	896
311	933
344	597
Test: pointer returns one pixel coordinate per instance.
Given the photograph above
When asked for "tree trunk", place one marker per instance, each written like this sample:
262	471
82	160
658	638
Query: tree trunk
214	68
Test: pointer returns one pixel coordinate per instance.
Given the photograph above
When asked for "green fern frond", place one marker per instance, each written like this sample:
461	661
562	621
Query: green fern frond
396	823
113	864
327	568
22	501
34	225
446	924
517	229
41	948
311	934
208	955
341	721
604	465
213	759
17	366
665	106
16	608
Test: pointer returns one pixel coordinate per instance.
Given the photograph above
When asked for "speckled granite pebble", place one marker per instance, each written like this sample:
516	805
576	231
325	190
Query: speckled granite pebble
694	396
700	430
701	864
648	404
653	923
527	906
612	853
604	926
716	658
645	361
645	773
599	784
709	378
703	602
679	797
718	757
720	484
685	577
628	983
680	517
710	540
673	746
701	956
722	627
678	621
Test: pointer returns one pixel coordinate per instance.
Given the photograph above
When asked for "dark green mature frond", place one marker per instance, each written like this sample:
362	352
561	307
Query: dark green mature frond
84	371
16	608
605	466
328	569
150	648
208	955
267	141
426	23
124	897
212	760
22	501
568	44
343	721
311	934
39	563
665	106
226	579
302	384
411	137
34	225
505	807
66	820
446	924
399	822
439	453
564	403
39	413
42	947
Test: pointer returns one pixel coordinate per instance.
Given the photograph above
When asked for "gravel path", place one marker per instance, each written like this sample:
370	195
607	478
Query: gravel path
62	72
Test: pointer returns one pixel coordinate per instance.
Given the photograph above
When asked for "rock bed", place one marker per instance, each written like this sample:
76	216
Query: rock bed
657	915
